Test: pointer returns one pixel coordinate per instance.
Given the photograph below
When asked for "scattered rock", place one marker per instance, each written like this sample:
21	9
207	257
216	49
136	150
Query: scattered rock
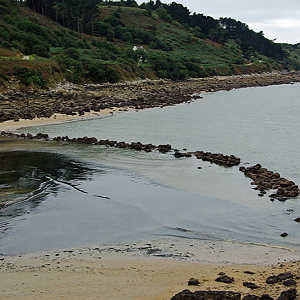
250	285
289	282
225	279
279	278
272	279
290	294
193	281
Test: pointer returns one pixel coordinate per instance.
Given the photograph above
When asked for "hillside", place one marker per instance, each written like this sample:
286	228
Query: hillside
43	42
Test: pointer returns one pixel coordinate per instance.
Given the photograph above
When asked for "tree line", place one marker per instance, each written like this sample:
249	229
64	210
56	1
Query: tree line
83	15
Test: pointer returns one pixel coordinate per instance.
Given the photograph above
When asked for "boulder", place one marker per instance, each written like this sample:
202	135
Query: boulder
290	294
193	281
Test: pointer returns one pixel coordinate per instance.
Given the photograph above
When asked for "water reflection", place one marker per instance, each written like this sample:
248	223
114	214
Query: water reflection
27	177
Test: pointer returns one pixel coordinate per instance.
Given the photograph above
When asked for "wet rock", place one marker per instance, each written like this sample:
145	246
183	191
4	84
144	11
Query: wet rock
218	158
266	180
178	154
164	148
284	234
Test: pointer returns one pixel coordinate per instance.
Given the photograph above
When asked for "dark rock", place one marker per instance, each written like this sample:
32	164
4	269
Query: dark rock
266	297
218	158
289	282
279	278
284	276
251	297
284	234
250	285
265	180
282	199
225	279
193	281
297	220
164	148
272	279
290	294
207	295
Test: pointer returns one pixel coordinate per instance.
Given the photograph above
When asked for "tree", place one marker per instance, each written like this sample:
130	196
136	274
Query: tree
163	14
179	13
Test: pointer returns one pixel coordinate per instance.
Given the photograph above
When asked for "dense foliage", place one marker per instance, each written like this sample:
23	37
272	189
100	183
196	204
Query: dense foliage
103	40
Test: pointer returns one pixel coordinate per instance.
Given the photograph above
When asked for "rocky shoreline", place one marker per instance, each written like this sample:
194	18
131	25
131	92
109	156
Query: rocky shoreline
70	99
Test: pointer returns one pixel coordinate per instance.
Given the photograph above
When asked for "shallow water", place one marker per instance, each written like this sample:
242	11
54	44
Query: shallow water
151	194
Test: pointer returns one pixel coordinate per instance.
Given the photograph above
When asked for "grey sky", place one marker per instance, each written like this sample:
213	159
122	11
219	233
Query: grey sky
277	19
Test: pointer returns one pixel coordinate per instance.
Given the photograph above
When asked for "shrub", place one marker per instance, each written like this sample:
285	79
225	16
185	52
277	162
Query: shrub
29	77
41	51
95	70
73	53
31	27
112	75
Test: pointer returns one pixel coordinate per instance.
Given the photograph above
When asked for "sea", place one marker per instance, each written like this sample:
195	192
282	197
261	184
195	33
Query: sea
61	195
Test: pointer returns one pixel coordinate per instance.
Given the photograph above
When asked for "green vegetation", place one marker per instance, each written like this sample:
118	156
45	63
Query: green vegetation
45	41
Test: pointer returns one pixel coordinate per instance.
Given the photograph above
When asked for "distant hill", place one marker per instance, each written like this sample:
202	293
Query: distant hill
47	41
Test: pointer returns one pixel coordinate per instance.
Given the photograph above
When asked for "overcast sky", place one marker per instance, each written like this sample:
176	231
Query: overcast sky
278	19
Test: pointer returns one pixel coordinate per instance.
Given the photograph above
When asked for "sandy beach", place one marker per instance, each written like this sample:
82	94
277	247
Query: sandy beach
109	273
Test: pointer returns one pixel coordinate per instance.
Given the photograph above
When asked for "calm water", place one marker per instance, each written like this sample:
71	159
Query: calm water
148	195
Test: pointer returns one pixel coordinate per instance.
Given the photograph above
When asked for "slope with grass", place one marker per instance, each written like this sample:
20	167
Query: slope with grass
118	43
